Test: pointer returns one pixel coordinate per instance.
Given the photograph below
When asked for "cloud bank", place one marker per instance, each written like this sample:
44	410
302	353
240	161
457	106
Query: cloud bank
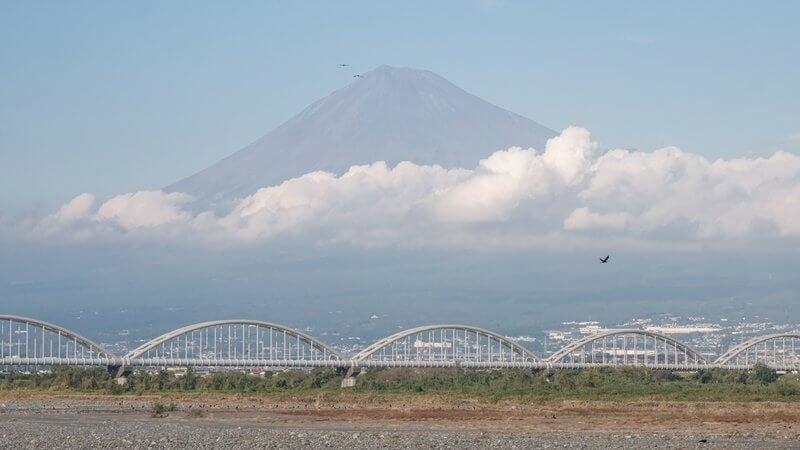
516	197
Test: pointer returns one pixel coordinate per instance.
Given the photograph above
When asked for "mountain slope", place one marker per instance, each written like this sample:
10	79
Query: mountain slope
390	114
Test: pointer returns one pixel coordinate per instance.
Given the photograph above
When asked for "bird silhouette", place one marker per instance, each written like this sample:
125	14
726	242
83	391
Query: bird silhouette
343	65
356	76
604	260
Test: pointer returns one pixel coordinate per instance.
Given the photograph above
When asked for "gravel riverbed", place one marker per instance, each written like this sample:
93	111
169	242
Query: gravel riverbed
69	423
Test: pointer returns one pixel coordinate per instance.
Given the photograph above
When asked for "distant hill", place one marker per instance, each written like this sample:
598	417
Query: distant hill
390	114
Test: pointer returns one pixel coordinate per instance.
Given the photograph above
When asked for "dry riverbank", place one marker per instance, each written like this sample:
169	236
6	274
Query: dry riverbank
361	421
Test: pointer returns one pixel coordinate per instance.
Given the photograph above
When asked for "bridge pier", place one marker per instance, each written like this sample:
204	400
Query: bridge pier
119	372
349	379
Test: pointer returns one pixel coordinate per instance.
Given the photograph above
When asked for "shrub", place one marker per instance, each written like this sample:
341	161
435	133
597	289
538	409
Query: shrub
162	410
763	374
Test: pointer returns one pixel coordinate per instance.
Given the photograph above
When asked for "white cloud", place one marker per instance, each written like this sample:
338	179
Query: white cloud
515	197
81	219
584	219
569	154
144	209
492	191
77	208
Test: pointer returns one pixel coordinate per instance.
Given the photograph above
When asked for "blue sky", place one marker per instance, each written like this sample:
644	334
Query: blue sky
109	97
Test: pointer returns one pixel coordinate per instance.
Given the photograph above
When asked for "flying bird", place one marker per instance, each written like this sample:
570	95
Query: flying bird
604	260
343	65
356	76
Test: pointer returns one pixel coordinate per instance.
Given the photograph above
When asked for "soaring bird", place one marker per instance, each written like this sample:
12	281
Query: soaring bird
343	65
356	76
604	260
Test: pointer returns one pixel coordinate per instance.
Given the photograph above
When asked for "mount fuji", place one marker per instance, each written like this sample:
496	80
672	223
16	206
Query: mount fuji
389	114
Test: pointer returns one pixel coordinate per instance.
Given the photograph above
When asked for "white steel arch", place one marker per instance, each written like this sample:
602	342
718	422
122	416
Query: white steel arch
324	352
631	351
778	356
450	343
45	341
253	343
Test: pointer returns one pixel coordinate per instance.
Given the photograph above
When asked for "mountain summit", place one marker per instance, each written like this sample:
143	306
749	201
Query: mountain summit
389	114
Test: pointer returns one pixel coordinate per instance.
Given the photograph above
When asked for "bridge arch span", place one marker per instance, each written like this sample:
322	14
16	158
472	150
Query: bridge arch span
45	340
783	353
446	345
629	347
234	340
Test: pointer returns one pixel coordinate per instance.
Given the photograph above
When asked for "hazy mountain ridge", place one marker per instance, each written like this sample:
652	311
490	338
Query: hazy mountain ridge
391	114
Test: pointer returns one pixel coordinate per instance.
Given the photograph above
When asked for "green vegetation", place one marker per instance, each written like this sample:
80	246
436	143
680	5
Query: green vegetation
62	378
758	384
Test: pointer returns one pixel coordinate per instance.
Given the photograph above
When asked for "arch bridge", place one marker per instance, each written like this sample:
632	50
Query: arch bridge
255	344
446	346
779	351
234	343
629	347
25	341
